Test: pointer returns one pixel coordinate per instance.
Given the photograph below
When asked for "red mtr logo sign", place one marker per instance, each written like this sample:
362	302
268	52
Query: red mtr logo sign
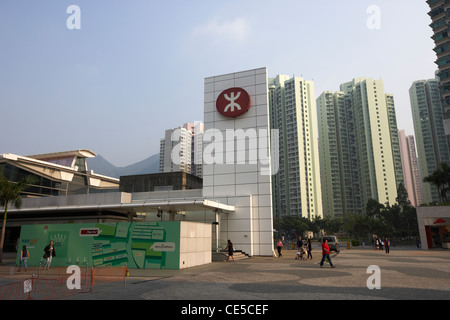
233	102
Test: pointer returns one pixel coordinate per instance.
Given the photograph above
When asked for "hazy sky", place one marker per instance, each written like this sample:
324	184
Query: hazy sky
137	67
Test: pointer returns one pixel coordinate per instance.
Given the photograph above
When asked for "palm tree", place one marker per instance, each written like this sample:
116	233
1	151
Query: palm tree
439	178
10	192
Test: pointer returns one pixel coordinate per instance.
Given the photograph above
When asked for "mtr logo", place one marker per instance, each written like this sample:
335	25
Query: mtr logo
233	102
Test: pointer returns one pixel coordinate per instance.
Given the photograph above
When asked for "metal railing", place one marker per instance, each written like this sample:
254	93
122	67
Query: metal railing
57	283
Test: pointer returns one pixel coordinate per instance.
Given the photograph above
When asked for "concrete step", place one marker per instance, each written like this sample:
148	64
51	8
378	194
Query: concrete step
223	256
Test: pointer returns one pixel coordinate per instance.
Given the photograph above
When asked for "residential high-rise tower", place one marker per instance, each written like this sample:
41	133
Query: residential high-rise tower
175	151
410	164
432	148
296	186
359	149
439	13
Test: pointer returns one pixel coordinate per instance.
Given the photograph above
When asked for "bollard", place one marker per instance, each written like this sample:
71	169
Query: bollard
92	279
127	274
348	245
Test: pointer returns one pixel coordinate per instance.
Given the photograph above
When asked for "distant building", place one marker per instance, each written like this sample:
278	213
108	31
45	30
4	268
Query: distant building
432	147
160	182
196	129
181	149
296	186
234	203
59	173
359	149
439	14
410	164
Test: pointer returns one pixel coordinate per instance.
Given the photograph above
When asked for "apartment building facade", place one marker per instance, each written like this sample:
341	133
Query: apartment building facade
296	186
432	147
410	165
359	148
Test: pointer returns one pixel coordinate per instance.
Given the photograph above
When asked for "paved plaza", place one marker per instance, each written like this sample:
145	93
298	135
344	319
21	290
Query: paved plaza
404	274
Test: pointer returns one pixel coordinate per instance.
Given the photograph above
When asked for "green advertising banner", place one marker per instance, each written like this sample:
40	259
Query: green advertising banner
138	245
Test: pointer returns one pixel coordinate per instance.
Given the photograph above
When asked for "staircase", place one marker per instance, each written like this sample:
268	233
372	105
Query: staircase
222	256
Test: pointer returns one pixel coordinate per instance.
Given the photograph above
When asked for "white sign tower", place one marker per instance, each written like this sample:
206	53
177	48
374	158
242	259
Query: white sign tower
237	165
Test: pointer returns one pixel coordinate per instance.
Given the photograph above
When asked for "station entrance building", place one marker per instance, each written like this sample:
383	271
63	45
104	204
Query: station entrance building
235	199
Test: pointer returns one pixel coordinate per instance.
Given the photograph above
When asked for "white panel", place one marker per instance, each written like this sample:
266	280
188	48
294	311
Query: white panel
246	81
239	201
245	123
246	168
244	189
265	188
261	100
210	107
224	179
246	178
262	121
209	87
223	85
243	74
261	79
264	178
251	90
208	180
208	116
263	201
265	213
241	225
224	169
223	123
209	97
209	80
224	77
208	192
224	191
261	89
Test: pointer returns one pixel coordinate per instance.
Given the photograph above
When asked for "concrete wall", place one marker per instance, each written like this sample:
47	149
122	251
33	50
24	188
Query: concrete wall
427	216
195	244
77	200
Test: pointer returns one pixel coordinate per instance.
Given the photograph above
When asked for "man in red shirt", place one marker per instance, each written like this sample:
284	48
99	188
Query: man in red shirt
325	254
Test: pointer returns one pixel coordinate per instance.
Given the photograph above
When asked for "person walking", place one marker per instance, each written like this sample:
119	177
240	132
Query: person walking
387	244
309	249
230	250
326	254
49	253
299	243
279	247
24	254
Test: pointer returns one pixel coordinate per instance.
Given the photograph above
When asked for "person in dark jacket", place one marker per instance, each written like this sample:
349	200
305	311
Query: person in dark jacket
230	249
309	249
299	243
49	253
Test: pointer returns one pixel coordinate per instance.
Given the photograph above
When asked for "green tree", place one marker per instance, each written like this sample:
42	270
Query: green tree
402	196
440	178
408	214
358	225
10	193
374	208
